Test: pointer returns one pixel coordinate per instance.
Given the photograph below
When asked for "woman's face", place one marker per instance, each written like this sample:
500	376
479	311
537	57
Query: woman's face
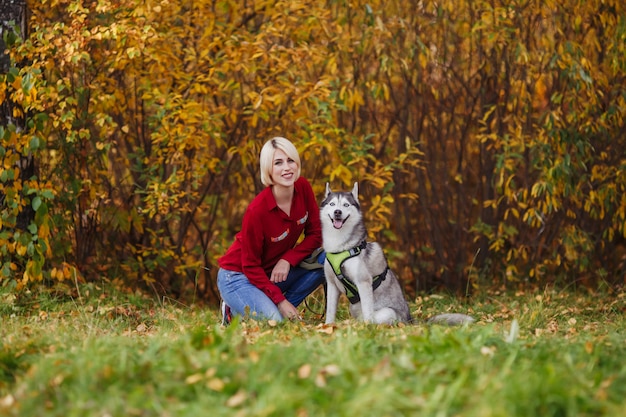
284	169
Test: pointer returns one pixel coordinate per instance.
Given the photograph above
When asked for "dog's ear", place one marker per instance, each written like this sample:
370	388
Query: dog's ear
327	190
355	191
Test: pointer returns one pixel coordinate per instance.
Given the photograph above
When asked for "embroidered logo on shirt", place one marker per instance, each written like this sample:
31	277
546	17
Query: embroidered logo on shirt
304	219
281	237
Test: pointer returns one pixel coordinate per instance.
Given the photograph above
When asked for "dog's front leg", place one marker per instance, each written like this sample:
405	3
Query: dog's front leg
332	300
367	299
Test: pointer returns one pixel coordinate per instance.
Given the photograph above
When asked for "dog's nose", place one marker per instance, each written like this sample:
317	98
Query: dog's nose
338	213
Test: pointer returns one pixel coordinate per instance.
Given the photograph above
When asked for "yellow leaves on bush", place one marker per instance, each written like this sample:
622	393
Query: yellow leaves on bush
379	213
341	173
378	182
352	98
158	125
20	249
65	272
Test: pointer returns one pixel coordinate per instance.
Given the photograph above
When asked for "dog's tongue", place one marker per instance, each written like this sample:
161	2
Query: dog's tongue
337	223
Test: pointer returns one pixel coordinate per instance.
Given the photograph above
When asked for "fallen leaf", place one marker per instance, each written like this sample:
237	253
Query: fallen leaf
216	384
331	369
326	328
237	399
193	379
320	380
488	350
304	371
6	402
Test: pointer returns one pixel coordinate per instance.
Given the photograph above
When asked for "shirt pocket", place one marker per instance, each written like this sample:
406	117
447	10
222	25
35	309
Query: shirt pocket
303	220
280	237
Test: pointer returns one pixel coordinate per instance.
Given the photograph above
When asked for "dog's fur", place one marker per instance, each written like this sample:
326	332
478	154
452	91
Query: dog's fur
343	229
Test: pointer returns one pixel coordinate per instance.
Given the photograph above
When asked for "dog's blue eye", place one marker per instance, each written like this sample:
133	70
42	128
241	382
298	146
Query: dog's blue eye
346	205
332	204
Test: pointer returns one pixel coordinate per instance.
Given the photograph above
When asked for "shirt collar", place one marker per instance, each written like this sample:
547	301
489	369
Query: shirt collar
270	200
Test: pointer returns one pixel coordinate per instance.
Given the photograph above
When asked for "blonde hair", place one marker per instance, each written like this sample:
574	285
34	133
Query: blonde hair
266	158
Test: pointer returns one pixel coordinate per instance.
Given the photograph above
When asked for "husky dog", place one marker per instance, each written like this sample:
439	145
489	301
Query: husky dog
359	269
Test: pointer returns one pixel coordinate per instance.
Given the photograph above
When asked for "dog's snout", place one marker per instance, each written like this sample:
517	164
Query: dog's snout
338	214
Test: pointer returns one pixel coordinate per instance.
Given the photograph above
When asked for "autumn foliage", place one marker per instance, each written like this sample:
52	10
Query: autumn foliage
487	136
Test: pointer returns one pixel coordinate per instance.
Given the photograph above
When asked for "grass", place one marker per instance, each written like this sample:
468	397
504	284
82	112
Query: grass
109	354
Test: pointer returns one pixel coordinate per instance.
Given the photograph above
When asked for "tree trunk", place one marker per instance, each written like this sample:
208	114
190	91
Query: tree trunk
13	17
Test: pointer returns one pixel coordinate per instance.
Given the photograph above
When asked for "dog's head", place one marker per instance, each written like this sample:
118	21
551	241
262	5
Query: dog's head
338	207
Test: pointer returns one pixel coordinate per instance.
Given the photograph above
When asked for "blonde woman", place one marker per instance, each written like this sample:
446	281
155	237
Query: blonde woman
260	274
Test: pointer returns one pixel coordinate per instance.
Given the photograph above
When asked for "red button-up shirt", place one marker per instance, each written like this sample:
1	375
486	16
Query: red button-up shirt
268	234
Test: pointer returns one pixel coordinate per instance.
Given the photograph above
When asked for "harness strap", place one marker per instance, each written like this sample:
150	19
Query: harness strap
337	259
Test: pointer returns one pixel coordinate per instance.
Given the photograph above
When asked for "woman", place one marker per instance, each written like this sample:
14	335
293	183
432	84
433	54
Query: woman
260	274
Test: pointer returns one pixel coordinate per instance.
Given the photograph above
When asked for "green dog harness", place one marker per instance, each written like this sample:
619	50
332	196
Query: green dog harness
336	260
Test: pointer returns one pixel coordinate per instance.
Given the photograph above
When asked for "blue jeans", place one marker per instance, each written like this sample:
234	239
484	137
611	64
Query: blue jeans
243	297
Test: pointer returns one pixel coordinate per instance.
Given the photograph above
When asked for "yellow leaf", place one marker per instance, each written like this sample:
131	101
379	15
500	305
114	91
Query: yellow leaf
320	380
488	350
216	384
236	400
326	328
378	182
342	173
258	102
193	379
489	203
331	369
43	232
304	371
6	402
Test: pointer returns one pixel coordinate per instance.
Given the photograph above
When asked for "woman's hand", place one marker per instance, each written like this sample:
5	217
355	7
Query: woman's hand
280	271
288	311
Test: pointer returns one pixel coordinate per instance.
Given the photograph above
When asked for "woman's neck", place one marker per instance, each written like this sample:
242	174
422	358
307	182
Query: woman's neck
283	196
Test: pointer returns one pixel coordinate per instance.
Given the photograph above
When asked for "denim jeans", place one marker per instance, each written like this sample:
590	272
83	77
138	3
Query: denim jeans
240	294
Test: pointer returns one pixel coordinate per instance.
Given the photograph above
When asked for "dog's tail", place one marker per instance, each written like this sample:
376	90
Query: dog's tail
451	319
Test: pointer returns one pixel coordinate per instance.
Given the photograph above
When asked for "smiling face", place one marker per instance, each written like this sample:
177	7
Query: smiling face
337	208
284	169
277	155
342	221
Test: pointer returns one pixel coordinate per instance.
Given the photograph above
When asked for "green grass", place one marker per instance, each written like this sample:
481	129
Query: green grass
107	354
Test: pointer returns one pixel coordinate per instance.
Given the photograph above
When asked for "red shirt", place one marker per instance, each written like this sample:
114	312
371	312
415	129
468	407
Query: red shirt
268	234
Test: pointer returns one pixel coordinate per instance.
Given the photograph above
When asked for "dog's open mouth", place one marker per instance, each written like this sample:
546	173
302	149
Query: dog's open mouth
337	222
